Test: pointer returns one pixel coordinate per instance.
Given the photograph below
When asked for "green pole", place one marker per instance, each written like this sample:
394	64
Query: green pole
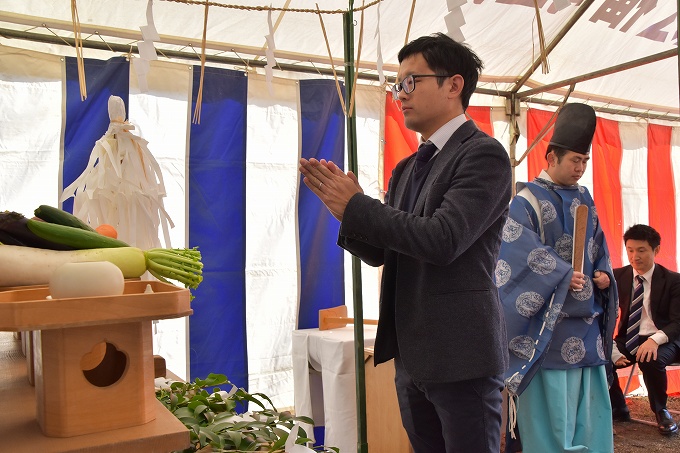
362	443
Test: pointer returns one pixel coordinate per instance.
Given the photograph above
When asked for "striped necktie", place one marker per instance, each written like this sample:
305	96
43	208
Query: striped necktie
635	316
425	152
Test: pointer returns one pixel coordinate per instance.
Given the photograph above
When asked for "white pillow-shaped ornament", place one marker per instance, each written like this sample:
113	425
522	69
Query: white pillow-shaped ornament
88	279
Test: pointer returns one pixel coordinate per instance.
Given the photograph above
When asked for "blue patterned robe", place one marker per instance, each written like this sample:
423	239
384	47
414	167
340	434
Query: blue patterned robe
548	325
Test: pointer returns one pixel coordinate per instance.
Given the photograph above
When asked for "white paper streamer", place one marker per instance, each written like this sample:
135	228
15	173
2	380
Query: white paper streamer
147	51
454	3
122	185
561	4
141	68
149	32
146	48
454	20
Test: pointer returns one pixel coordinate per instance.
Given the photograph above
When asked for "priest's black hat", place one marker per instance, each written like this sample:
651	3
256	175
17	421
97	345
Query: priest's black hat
574	128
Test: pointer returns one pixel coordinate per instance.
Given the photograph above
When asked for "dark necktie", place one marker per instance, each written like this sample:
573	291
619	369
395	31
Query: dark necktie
425	152
635	316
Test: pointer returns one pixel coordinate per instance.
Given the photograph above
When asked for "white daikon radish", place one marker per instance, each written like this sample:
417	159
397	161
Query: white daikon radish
97	278
20	266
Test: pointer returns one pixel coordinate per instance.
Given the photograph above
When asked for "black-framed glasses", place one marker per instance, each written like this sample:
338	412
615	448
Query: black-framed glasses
409	83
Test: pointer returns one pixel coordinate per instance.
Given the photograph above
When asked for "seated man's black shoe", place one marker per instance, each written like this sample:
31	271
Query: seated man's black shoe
666	423
621	415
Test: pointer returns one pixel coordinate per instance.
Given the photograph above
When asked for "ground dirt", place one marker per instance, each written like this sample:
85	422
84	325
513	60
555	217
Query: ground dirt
639	437
636	437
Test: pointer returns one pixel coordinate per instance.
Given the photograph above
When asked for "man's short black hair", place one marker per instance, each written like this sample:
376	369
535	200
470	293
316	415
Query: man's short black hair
558	150
641	232
446	56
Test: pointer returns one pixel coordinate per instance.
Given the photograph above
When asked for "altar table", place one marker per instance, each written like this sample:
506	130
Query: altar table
325	383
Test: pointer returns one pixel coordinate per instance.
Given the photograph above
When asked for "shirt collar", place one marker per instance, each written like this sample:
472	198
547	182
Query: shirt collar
647	275
544	175
444	133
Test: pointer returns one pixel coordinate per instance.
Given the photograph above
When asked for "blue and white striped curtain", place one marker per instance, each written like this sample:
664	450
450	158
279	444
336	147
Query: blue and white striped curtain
233	190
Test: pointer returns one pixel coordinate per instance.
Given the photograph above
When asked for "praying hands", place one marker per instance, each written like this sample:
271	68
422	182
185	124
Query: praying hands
328	182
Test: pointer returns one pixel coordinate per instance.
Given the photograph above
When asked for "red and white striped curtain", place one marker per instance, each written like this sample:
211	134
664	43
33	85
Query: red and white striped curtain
632	167
631	177
631	172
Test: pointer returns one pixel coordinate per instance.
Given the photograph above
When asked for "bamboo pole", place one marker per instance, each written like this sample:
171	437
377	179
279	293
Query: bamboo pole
362	441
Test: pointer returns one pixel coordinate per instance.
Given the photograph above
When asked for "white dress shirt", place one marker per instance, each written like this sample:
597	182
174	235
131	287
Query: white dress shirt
444	133
647	326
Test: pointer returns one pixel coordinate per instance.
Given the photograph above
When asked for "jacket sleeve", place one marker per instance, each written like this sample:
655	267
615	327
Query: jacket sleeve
672	329
373	256
459	207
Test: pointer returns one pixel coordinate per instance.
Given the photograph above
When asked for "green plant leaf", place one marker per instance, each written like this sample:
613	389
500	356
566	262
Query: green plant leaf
212	419
303	419
236	438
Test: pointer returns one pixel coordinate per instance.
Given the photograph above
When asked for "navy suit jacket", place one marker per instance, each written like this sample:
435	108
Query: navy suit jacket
439	306
664	302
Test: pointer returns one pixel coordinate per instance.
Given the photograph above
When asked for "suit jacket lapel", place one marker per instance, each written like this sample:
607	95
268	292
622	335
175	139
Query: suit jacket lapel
658	284
402	182
446	154
626	289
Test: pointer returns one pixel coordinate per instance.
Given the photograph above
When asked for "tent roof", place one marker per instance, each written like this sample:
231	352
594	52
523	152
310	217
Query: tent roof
586	38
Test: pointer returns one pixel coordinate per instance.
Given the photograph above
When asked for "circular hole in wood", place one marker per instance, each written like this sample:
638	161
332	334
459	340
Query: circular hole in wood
104	365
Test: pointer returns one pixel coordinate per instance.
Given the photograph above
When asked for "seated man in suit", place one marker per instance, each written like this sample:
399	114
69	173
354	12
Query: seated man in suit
649	324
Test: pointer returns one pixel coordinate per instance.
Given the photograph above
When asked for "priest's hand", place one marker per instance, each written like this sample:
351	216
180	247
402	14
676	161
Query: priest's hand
578	279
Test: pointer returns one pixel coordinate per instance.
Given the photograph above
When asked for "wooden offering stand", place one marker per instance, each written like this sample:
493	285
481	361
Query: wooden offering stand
94	368
332	318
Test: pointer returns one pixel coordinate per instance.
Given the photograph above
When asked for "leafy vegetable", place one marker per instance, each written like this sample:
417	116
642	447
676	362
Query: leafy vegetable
213	419
183	265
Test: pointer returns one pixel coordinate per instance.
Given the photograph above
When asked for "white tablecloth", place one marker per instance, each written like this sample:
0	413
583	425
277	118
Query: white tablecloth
330	353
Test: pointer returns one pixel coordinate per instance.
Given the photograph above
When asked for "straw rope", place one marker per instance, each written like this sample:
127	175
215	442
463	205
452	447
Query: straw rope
545	67
410	20
356	64
335	75
207	3
199	96
271	8
78	39
547	127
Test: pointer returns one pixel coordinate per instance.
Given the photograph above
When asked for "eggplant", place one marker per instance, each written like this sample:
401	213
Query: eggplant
7	239
14	231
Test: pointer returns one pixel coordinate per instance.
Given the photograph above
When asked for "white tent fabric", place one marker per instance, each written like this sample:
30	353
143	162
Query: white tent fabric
503	32
30	169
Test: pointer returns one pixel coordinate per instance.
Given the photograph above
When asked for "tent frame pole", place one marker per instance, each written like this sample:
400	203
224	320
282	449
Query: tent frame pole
556	40
671	53
359	364
299	68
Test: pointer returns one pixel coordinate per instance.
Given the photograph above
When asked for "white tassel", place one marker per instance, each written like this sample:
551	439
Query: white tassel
512	414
